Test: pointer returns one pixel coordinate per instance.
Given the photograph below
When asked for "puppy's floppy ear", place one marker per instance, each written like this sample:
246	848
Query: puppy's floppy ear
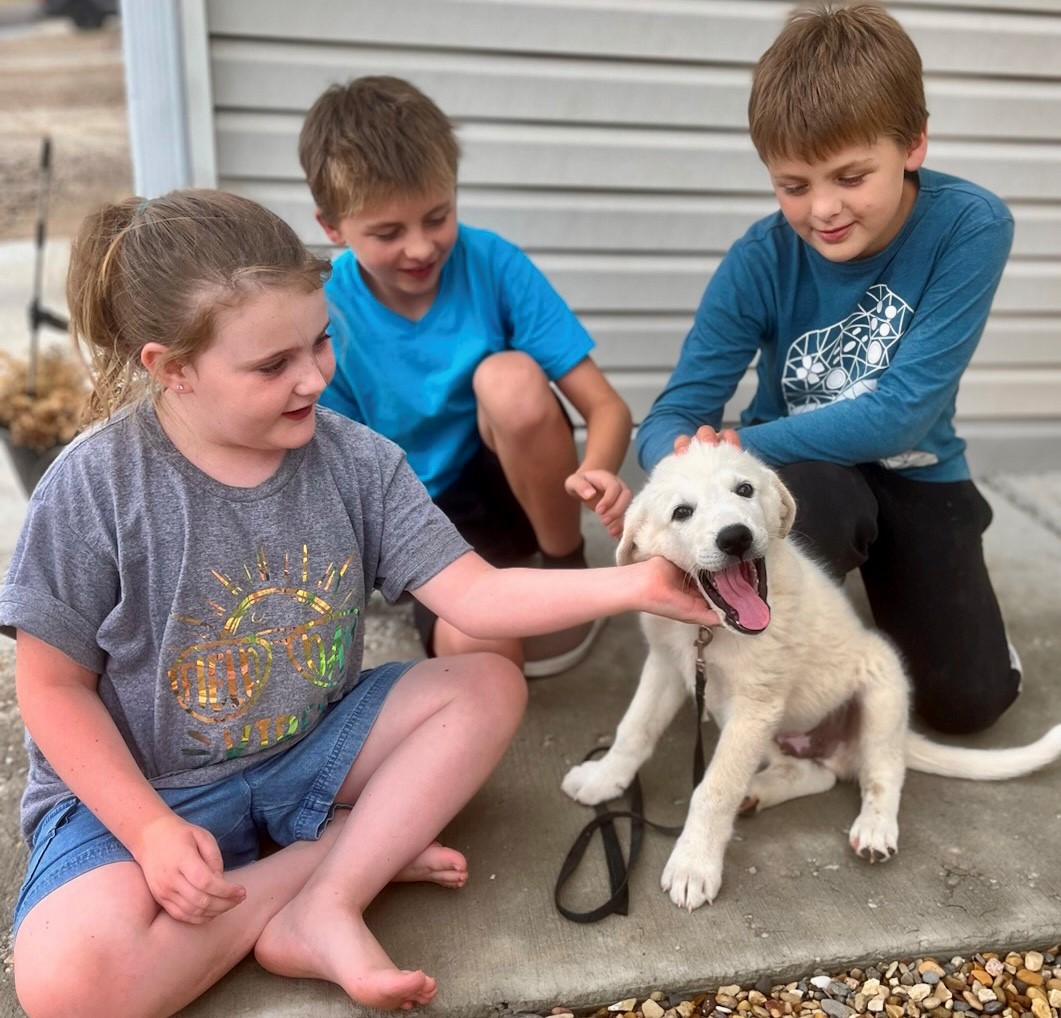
633	521
787	516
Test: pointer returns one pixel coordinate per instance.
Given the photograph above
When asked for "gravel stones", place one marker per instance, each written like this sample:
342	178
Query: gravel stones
1011	984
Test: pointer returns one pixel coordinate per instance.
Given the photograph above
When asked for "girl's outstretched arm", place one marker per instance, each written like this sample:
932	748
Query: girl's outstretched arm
488	603
63	712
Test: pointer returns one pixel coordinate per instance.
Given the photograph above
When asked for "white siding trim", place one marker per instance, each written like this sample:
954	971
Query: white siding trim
195	51
155	96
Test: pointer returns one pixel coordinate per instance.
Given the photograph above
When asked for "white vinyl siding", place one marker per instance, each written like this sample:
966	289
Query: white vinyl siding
608	139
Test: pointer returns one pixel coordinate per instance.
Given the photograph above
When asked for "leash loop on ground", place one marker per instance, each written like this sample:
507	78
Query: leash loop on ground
620	867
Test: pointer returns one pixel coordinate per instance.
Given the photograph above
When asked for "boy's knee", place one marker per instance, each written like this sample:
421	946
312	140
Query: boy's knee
514	392
506	368
967	703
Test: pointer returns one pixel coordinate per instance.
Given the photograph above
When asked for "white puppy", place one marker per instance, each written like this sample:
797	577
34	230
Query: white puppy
802	691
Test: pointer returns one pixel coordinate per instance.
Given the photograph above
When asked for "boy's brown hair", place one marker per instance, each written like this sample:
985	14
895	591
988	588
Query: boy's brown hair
837	75
372	140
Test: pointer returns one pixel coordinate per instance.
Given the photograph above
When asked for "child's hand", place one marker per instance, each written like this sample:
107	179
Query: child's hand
184	872
673	594
605	493
708	436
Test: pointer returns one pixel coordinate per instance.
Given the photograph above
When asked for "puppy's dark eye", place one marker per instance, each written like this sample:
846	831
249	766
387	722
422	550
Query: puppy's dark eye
682	512
744	489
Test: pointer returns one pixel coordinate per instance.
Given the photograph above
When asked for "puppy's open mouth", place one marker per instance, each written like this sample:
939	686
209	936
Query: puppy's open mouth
739	592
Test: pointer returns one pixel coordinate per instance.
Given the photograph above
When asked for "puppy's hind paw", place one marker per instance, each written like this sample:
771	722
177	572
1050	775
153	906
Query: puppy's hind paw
690	881
596	781
874	838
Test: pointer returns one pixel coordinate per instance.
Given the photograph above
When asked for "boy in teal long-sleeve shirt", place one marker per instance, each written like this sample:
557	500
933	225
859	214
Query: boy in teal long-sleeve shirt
864	297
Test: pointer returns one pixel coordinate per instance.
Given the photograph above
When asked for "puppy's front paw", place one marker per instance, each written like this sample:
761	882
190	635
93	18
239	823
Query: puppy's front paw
874	837
690	877
597	780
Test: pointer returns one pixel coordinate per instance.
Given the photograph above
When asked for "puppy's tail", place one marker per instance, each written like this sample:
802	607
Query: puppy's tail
981	764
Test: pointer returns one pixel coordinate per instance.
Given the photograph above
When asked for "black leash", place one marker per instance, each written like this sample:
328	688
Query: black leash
620	867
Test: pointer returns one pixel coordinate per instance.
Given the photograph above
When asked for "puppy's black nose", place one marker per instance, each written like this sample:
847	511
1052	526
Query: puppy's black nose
735	539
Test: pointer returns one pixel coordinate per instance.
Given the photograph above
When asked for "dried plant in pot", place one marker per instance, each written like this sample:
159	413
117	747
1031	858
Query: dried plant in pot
42	398
43	395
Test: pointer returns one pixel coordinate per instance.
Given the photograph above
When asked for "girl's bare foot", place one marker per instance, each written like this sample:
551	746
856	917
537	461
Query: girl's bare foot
323	939
437	864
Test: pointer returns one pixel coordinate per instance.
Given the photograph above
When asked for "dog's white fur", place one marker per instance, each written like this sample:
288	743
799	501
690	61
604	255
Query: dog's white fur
814	657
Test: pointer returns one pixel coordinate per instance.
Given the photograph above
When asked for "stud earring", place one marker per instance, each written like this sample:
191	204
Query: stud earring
180	388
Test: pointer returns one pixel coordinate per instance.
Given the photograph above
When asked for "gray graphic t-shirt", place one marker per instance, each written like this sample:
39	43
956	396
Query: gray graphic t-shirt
222	621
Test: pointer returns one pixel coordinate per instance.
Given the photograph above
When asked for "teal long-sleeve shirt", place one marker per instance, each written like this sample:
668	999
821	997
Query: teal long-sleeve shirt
859	361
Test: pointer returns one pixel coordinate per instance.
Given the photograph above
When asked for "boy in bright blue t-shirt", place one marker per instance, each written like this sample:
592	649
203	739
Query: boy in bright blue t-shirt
449	342
864	297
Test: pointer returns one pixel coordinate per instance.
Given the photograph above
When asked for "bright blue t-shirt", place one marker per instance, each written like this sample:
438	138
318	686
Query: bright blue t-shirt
859	361
412	381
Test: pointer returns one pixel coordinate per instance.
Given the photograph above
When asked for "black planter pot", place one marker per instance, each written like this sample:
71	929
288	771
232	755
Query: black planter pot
29	465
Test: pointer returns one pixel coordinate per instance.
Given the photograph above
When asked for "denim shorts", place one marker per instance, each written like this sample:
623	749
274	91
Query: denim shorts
289	797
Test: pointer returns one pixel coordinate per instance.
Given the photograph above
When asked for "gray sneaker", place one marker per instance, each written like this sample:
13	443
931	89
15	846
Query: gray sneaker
552	653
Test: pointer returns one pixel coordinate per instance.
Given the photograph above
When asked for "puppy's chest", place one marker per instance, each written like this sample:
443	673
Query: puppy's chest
728	662
734	662
737	664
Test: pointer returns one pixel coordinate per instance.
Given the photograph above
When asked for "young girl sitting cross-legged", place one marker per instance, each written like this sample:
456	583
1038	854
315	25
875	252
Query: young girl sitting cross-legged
188	593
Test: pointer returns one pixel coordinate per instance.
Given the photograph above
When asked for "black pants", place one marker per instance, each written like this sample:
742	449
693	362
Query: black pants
918	546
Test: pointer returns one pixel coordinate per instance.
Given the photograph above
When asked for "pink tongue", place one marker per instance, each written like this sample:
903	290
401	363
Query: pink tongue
752	611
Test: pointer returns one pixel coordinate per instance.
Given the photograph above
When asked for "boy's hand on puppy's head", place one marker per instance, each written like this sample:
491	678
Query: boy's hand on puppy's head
708	436
605	493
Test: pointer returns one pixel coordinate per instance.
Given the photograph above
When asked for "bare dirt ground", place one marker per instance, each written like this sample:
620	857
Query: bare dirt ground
68	84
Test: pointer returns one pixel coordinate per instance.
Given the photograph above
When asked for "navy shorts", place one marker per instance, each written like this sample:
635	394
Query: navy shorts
289	797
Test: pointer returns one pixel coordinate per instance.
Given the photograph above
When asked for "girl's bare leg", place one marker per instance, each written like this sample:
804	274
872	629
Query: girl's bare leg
442	730
436	864
108	931
100	945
